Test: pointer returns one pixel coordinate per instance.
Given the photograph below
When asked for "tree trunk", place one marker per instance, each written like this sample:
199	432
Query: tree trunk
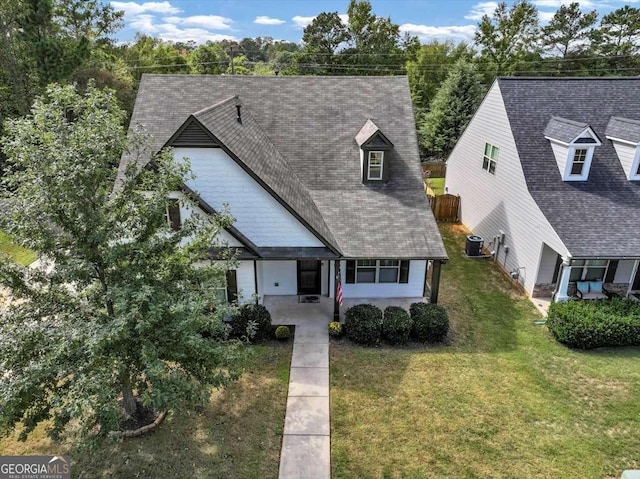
128	400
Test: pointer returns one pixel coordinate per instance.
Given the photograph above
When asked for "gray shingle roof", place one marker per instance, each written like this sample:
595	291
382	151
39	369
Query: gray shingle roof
564	130
304	127
624	129
594	218
368	130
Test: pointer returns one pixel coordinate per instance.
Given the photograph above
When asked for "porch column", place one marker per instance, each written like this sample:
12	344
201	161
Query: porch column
336	280
255	280
435	281
632	279
563	287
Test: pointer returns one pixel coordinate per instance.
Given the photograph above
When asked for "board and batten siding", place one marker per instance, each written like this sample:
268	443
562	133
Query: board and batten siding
413	289
259	216
490	203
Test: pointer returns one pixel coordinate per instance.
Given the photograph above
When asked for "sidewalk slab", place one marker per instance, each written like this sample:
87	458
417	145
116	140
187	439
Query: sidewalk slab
311	335
309	382
307	416
305	457
310	355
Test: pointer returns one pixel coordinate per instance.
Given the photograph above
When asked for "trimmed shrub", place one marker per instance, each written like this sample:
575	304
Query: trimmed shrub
252	322
363	323
430	322
396	325
283	333
335	329
595	324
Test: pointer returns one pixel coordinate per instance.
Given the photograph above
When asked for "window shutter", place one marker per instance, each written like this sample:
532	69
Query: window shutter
351	271
386	166
404	271
232	286
173	210
611	272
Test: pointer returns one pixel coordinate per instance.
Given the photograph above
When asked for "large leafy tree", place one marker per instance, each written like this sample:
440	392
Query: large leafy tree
569	31
122	311
509	36
451	110
618	38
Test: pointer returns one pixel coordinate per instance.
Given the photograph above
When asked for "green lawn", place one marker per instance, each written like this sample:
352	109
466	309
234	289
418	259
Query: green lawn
437	185
16	252
238	435
502	400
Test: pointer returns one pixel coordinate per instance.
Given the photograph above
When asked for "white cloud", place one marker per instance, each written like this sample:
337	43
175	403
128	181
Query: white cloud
264	20
429	32
173	33
481	9
545	17
302	22
143	23
132	9
213	22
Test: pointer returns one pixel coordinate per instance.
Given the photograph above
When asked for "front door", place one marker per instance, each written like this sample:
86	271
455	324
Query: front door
308	276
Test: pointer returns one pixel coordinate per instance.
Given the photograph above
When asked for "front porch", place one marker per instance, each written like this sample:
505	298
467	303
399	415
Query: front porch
288	310
561	278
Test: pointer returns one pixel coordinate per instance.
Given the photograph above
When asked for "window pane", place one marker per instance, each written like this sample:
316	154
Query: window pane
485	163
576	168
366	275
492	167
367	262
221	294
375	172
487	149
576	274
389	262
375	157
594	274
173	212
388	275
597	262
494	152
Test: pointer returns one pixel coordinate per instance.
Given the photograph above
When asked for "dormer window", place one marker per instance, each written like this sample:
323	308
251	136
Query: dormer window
375	165
624	133
578	162
375	154
573	144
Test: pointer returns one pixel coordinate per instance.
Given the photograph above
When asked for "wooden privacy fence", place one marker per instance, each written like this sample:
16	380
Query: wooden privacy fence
436	169
445	207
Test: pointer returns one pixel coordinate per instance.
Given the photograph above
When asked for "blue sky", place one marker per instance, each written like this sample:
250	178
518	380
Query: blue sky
202	20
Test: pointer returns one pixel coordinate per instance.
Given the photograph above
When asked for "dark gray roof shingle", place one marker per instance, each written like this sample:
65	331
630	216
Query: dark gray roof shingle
624	129
564	130
309	124
597	217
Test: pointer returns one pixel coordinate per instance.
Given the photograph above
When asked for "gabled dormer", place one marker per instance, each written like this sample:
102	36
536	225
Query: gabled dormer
625	136
375	154
573	144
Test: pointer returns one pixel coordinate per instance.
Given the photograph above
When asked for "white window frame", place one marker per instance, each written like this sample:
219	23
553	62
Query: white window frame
579	157
377	268
369	177
586	267
489	162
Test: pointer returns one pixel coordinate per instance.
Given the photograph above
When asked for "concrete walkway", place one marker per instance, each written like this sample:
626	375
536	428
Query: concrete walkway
306	445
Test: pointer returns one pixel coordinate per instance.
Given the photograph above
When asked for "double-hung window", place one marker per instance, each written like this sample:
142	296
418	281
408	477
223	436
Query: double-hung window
377	271
366	271
374	171
490	158
579	160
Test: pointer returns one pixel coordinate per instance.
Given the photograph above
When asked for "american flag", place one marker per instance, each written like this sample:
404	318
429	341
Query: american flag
339	293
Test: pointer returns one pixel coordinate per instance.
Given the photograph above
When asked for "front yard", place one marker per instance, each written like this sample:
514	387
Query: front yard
237	435
503	400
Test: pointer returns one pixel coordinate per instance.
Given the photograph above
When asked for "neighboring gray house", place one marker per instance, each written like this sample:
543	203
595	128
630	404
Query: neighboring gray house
548	171
321	174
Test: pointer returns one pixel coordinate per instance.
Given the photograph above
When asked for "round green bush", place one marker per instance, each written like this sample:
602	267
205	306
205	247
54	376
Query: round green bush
363	323
283	333
335	329
252	322
430	322
595	324
396	325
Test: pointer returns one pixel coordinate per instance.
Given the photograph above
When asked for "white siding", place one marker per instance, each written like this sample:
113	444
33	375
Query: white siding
246	282
413	289
285	273
628	156
259	216
624	271
561	152
491	203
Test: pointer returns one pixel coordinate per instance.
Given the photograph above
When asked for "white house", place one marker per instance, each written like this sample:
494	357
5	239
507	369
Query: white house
548	173
321	174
